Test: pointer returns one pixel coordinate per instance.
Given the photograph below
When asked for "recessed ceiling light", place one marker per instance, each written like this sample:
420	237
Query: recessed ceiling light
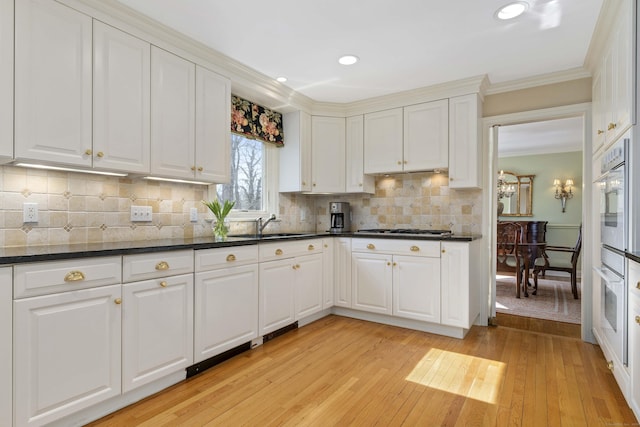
512	10
281	79
348	59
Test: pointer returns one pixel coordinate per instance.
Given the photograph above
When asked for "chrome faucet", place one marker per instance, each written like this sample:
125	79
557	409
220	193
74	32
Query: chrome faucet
260	225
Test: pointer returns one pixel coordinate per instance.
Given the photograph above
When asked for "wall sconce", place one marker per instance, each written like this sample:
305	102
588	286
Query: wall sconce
563	192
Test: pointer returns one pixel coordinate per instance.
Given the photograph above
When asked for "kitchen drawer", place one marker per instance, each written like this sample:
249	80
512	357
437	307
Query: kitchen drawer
42	278
233	256
288	249
156	264
425	248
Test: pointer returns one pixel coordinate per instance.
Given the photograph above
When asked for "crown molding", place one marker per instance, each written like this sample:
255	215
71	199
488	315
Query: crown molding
604	28
540	80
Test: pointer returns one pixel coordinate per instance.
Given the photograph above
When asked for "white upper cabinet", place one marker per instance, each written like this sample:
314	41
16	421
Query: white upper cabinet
356	180
426	136
383	141
328	154
295	156
465	148
6	80
213	138
121	76
172	115
52	83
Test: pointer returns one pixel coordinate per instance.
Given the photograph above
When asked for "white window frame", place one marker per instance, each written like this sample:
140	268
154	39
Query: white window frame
271	194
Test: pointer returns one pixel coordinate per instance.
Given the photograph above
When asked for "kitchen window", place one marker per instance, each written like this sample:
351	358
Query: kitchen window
254	178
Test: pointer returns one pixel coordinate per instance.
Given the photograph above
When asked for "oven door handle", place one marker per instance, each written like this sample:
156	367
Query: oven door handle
611	279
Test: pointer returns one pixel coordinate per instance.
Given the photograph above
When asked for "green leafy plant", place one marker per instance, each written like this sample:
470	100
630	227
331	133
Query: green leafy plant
220	211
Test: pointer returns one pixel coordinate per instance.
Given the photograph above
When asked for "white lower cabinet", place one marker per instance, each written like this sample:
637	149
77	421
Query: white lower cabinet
226	304
634	334
372	282
342	272
66	353
328	275
461	297
416	288
308	285
277	295
6	347
157	329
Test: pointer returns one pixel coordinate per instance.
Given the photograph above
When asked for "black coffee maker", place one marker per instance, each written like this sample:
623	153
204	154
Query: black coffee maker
340	217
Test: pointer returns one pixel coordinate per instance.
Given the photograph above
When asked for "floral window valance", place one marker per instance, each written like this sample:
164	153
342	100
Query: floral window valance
255	121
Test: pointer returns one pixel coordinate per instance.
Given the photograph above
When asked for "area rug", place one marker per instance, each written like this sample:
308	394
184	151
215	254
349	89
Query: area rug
553	301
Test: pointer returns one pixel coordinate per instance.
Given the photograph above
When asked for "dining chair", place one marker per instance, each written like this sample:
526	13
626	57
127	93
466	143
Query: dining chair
544	264
508	240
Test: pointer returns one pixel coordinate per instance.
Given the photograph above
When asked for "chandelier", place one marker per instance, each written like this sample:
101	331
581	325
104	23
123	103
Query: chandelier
504	188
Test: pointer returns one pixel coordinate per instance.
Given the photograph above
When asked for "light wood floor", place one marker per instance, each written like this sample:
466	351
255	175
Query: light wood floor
340	371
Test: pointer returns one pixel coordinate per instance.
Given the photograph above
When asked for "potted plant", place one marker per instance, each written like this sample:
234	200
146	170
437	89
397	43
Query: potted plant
220	211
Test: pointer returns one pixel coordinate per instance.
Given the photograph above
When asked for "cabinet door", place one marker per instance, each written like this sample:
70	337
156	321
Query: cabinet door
328	273
157	329
66	353
383	141
295	156
213	115
52	83
416	288
277	295
328	154
226	310
121	75
342	272
6	82
372	281
465	151
598	124
426	136
309	282
172	115
622	69
454	271
6	347
356	180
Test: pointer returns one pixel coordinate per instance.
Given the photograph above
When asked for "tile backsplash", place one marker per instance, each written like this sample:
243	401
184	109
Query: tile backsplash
79	208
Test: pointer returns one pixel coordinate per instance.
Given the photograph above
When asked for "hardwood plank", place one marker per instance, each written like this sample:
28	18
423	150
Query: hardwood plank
341	371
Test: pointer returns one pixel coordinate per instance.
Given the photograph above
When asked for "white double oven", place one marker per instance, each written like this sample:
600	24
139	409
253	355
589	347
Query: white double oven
614	219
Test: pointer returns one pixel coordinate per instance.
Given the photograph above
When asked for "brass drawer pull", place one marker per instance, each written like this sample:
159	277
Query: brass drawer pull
231	257
279	252
638	320
311	247
371	246
100	154
611	126
118	300
638	285
414	249
162	265
163	284
74	276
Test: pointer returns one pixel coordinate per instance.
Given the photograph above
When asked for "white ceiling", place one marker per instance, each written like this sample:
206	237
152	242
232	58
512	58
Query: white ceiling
551	136
402	44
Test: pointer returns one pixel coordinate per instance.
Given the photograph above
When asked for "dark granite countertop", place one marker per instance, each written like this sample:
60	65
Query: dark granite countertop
22	254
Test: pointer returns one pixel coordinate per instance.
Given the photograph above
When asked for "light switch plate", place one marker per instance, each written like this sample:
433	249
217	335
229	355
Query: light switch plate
193	214
141	213
30	212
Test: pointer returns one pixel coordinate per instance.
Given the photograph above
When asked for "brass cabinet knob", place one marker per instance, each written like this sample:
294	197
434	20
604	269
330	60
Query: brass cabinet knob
443	251
193	168
371	246
100	154
74	276
395	264
611	126
118	300
399	162
414	249
388	263
88	151
200	168
310	247
314	184
638	320
638	285
162	265
610	365
231	257
279	252
293	266
304	183
451	178
326	246
600	131
163	284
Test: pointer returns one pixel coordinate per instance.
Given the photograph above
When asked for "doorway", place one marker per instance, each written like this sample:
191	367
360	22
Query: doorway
531	157
491	132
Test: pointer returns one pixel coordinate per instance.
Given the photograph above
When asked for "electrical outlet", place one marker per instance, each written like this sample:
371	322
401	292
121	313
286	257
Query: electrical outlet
193	214
30	212
141	213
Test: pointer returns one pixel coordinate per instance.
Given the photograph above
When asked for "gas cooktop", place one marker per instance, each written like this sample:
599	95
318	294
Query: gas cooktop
410	231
